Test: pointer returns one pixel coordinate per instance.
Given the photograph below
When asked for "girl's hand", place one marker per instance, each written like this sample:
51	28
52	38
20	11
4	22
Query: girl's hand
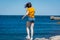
22	18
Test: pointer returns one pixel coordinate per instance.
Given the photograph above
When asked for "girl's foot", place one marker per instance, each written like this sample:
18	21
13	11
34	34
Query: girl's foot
31	38
27	37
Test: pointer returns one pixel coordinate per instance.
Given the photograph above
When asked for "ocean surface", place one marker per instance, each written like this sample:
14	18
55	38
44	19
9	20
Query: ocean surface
12	27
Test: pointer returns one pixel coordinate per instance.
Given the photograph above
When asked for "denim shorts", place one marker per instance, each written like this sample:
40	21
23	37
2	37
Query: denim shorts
31	19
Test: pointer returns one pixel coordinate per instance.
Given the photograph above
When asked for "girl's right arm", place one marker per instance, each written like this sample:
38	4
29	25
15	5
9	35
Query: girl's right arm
25	15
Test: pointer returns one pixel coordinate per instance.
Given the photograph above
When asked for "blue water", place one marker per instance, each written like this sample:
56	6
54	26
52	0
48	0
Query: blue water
12	27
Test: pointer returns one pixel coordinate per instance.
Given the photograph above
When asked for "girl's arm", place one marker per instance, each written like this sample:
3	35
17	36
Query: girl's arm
25	15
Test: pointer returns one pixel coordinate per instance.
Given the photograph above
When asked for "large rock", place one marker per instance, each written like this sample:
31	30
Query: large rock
54	18
40	39
55	38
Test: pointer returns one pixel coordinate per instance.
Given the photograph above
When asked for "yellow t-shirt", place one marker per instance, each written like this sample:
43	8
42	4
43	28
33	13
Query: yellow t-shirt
31	12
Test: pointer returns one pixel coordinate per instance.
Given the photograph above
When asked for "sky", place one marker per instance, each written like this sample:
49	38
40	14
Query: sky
42	7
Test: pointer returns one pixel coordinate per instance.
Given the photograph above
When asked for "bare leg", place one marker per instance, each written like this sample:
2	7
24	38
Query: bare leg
32	25
28	31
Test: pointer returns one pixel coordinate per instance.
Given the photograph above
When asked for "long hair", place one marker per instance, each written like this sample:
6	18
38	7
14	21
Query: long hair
28	5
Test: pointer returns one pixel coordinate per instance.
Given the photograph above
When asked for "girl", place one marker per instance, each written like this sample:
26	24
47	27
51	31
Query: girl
30	23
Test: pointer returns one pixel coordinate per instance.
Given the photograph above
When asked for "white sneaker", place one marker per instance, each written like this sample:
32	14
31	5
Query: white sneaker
31	38
27	37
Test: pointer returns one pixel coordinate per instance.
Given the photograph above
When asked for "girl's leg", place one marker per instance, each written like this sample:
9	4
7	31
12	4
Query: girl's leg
27	29
32	25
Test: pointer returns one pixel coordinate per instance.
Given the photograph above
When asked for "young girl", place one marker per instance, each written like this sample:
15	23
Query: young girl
30	23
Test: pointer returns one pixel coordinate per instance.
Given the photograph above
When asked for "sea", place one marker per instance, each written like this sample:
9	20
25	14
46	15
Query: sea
12	27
